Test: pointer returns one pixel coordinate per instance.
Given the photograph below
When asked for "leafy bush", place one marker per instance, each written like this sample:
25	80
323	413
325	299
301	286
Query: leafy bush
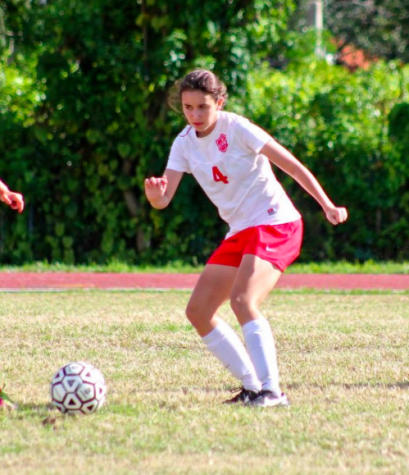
84	120
337	124
102	124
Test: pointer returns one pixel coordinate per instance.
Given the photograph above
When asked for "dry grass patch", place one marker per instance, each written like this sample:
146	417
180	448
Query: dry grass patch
343	360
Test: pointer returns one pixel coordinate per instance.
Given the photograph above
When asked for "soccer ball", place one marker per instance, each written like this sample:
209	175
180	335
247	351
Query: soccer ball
78	388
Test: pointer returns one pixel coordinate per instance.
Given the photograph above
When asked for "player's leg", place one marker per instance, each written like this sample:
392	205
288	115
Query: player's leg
270	250
254	280
211	291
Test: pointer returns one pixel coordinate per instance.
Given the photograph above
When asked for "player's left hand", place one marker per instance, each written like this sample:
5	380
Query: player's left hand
337	215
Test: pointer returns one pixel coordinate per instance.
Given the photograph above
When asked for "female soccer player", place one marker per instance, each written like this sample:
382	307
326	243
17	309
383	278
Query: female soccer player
11	198
229	157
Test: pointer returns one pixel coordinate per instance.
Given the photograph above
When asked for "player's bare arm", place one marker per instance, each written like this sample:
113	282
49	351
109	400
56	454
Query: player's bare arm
160	190
284	160
11	198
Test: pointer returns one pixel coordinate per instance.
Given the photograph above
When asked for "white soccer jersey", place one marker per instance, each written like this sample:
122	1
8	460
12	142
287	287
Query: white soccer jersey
229	167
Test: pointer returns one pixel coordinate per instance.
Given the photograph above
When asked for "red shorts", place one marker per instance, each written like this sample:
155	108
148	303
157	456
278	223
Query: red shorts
279	244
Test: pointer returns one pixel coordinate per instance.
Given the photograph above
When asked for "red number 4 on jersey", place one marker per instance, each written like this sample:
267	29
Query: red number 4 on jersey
218	175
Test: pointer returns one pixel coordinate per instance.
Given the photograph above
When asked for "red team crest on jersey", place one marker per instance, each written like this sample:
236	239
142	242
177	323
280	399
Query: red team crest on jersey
221	143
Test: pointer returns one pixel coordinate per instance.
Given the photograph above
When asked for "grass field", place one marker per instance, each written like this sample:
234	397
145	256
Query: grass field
339	267
343	359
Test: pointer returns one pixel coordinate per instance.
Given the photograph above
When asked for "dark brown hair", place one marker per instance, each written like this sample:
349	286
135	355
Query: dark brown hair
198	80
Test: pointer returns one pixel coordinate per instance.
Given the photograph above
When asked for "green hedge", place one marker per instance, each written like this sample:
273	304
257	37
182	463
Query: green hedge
78	137
86	120
352	131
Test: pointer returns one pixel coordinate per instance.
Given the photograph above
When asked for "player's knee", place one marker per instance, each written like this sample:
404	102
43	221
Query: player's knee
193	313
199	316
240	304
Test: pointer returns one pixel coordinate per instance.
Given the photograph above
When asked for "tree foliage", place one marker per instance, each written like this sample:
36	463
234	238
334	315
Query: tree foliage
351	130
102	123
84	120
379	27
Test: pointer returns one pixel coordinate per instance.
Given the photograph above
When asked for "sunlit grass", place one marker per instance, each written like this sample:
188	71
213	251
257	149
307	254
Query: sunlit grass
343	360
338	267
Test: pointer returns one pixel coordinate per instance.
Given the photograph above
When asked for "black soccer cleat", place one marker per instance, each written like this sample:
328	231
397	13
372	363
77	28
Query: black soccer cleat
245	396
267	398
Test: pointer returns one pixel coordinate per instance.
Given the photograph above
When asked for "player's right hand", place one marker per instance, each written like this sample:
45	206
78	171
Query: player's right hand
155	188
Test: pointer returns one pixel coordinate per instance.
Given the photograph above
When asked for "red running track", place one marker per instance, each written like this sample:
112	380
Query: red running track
61	280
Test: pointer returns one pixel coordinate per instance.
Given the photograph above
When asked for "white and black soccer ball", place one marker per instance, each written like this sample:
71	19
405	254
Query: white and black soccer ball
78	388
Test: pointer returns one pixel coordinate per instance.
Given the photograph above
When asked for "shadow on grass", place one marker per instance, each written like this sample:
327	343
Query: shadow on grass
33	410
45	414
36	407
397	385
204	390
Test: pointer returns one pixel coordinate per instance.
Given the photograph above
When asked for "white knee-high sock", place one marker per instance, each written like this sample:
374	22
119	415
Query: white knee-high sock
225	344
261	347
